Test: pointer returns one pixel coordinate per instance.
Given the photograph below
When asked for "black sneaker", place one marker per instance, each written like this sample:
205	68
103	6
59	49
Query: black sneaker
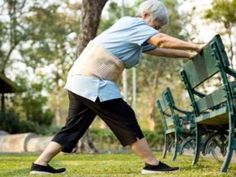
160	168
40	169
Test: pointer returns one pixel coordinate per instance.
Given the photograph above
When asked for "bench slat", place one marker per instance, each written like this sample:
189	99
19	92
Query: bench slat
215	98
211	100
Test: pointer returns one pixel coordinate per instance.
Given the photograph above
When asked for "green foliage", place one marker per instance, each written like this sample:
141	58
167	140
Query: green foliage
32	104
47	32
43	35
11	31
9	121
30	126
222	11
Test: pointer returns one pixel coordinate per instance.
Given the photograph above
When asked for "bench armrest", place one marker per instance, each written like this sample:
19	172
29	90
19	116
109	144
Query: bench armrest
182	111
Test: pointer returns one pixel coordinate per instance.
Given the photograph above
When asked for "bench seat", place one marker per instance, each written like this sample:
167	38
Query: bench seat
216	117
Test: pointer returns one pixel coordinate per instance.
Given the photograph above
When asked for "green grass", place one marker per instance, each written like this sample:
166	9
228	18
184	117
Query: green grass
109	165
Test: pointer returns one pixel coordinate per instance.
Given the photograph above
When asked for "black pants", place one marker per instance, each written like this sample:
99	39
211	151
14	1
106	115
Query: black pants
117	114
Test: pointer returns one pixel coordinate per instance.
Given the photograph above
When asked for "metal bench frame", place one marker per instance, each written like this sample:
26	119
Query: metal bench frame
175	121
214	112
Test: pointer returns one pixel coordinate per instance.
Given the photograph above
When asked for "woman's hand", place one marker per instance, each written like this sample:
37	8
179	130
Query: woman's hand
199	50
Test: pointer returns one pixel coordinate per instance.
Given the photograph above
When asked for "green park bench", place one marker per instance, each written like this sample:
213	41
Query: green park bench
214	112
178	125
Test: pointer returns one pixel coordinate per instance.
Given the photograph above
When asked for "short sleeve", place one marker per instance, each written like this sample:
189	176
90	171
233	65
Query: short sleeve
147	47
141	32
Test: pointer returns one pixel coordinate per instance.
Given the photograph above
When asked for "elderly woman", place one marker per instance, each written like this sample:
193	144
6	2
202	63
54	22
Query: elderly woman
92	88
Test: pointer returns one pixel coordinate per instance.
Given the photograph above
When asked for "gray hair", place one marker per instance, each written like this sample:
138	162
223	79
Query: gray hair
156	9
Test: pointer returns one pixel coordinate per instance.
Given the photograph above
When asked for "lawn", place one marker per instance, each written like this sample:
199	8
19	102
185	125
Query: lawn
109	165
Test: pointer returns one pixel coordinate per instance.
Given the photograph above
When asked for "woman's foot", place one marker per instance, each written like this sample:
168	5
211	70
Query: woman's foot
41	169
160	168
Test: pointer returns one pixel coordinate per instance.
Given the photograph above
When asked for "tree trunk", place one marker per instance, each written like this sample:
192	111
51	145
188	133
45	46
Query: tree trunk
89	21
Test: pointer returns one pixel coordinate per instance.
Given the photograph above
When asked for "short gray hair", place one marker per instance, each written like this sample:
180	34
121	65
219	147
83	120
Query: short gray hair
156	9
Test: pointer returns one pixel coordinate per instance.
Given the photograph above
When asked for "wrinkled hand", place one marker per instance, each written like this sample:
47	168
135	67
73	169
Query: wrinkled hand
199	48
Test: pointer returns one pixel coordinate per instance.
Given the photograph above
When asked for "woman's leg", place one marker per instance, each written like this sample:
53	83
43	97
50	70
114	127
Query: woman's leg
50	151
142	149
79	119
120	117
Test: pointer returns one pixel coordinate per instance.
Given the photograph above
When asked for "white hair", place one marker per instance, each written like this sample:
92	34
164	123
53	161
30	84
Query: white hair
156	9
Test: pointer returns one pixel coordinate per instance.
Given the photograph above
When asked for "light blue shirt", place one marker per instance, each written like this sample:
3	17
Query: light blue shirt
126	40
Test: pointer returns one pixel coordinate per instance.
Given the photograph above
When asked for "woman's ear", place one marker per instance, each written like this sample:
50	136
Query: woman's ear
145	15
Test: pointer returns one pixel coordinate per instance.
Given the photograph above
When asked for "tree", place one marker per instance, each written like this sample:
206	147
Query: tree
14	33
223	11
49	32
44	39
11	32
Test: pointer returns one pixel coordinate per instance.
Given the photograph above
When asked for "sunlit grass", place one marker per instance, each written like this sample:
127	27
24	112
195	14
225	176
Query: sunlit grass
109	165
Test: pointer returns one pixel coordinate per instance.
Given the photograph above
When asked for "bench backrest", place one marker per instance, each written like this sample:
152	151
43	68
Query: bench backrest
201	68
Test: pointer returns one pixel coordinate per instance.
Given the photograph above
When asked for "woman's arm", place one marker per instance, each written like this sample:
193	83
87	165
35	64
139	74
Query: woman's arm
163	52
165	41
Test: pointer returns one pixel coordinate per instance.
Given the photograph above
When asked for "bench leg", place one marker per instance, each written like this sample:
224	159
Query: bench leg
176	147
165	147
198	144
230	149
227	160
181	147
189	141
